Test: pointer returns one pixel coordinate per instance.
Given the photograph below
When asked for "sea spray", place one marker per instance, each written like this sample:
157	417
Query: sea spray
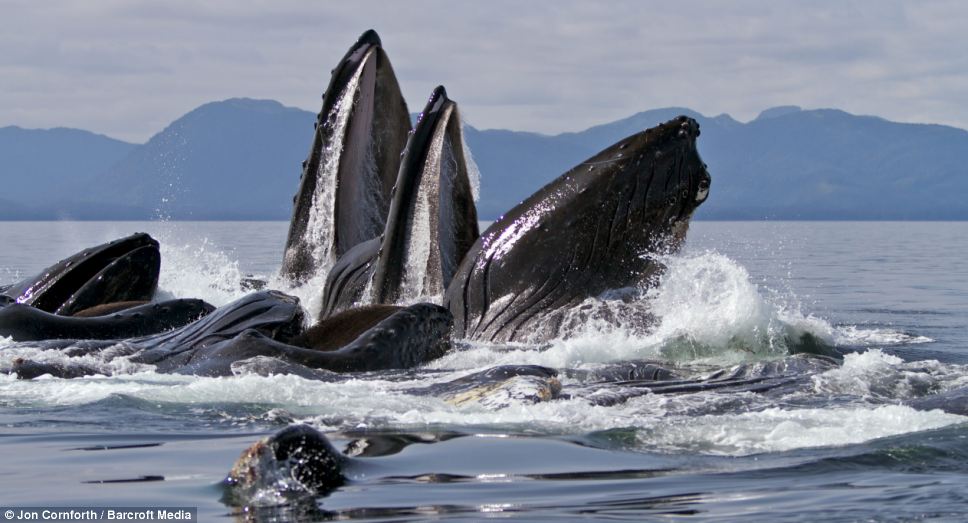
705	309
709	309
320	225
418	256
473	172
199	270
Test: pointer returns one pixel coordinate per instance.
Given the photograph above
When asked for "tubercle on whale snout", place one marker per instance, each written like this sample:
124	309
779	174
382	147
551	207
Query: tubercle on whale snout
675	177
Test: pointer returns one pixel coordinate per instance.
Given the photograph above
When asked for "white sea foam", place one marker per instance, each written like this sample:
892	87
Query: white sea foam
320	225
705	309
104	362
778	430
875	374
663	422
851	335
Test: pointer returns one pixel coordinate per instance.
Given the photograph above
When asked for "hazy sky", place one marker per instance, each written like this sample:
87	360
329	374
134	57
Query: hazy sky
127	68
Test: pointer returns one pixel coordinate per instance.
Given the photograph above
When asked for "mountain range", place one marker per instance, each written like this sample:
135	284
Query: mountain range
240	159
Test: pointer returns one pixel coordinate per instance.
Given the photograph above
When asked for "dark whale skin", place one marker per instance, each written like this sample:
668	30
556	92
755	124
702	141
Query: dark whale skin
312	466
596	228
407	338
376	131
25	323
126	269
433	183
271	313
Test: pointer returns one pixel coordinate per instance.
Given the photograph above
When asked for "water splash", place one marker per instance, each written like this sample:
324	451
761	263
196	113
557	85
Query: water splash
735	426
199	270
705	309
876	375
473	172
319	235
710	310
417	257
171	160
61	391
853	336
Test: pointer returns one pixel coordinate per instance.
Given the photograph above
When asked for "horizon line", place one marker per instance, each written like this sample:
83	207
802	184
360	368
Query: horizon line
798	109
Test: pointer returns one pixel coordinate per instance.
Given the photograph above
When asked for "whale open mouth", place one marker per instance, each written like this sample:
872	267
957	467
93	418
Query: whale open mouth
353	161
432	220
122	270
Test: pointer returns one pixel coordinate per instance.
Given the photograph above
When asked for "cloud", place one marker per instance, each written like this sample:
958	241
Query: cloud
127	69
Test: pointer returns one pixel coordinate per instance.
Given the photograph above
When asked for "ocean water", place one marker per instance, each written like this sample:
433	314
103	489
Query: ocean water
836	442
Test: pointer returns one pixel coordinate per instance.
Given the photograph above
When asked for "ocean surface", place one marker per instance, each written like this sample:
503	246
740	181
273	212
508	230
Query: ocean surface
840	443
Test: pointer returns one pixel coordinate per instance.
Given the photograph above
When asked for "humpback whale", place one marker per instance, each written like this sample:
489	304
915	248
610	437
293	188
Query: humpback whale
344	190
433	193
122	270
299	461
401	228
407	338
312	466
262	324
270	313
596	228
25	323
432	221
310	463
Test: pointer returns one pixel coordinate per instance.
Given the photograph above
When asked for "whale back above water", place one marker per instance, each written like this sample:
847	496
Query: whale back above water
25	323
601	226
271	313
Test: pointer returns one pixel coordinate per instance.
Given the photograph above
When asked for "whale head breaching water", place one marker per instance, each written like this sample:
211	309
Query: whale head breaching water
124	270
343	194
432	221
596	228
